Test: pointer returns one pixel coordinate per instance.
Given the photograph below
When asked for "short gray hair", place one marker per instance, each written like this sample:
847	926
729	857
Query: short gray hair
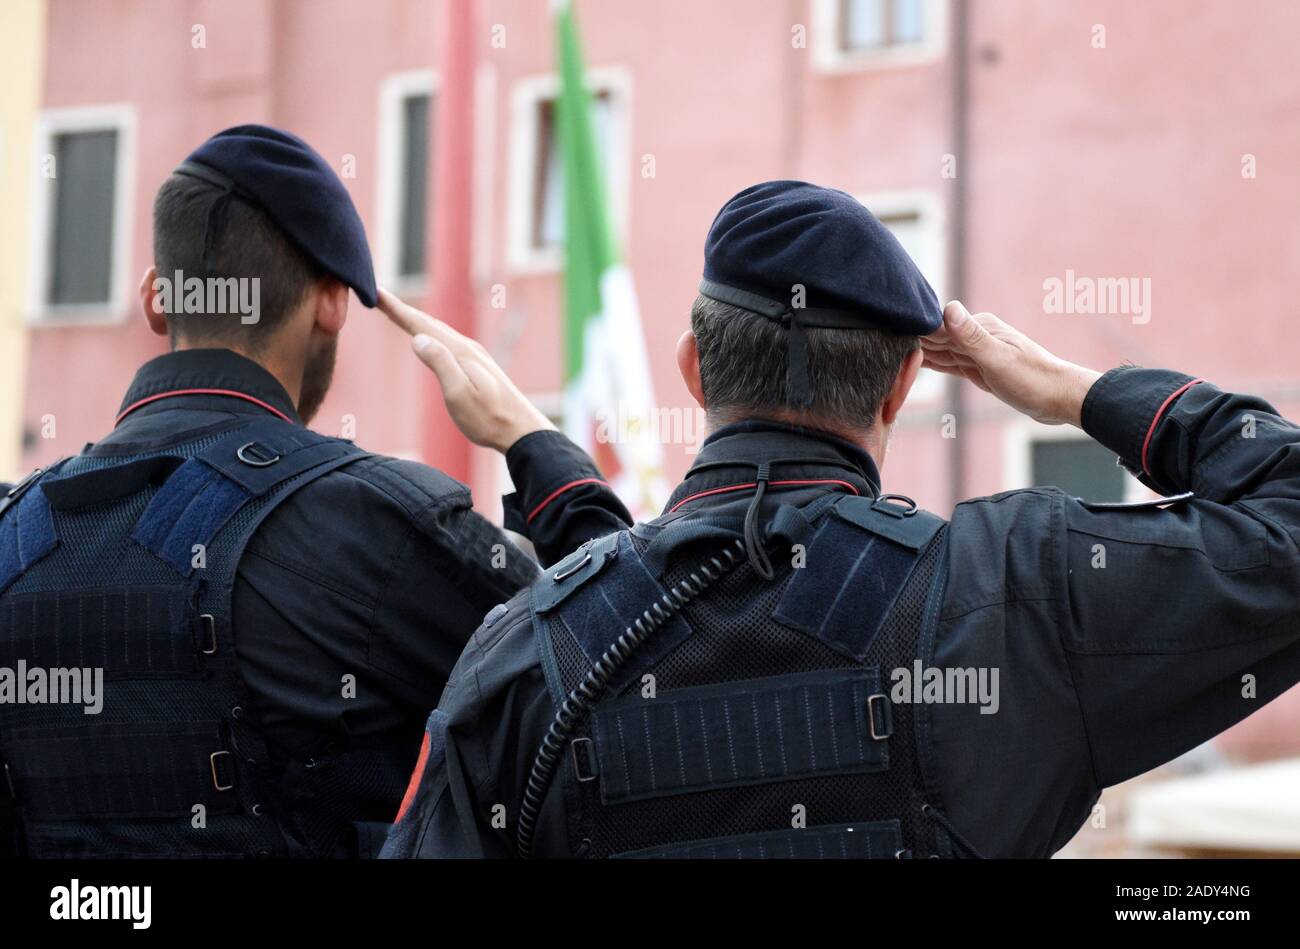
743	358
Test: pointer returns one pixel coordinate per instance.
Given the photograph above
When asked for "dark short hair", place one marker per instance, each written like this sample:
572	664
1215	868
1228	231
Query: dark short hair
248	244
743	358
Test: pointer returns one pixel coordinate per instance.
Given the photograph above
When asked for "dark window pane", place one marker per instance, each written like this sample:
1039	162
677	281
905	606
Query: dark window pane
81	239
415	184
548	187
1082	469
548	178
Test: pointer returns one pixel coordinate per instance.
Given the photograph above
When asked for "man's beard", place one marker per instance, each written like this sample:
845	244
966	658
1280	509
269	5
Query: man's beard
316	378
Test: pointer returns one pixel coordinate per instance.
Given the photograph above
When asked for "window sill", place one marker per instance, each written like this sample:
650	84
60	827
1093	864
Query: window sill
61	315
537	262
844	62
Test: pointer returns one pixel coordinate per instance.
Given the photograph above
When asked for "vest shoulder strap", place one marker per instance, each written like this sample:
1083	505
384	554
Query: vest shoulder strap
904	524
202	495
565	578
27	534
854	567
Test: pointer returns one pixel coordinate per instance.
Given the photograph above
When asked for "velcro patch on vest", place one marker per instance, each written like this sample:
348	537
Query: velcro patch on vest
206	491
151	769
188	510
26	535
596	614
129	632
857	563
876	840
755	731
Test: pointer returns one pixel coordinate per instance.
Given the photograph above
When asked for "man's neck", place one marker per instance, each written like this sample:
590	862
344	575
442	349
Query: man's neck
868	440
288	376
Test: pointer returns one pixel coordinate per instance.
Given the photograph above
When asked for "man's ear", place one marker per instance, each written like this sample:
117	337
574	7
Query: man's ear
688	363
331	306
154	312
902	385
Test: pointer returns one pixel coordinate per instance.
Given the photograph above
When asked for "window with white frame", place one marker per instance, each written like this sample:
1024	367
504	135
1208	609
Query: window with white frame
407	114
915	219
1050	456
548	186
81	219
1078	466
536	225
857	33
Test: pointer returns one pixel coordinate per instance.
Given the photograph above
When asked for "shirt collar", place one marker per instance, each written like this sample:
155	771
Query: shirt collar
217	373
730	455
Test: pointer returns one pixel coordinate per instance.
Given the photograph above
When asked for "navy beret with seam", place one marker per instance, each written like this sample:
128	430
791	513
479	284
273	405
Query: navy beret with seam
777	235
299	191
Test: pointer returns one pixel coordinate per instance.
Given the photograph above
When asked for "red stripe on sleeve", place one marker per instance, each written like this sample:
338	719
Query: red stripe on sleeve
558	491
1159	415
409	797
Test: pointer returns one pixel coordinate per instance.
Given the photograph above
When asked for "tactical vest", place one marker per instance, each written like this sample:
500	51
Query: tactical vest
707	712
127	565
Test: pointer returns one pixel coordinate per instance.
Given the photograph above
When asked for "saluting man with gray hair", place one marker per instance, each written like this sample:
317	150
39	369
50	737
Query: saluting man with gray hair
762	670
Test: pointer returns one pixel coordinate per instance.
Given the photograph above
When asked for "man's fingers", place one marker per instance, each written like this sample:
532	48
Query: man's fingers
451	377
415	321
941	357
965	334
953	368
407	317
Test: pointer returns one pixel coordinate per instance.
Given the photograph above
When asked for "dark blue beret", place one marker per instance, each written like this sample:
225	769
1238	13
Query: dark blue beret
300	192
781	234
806	256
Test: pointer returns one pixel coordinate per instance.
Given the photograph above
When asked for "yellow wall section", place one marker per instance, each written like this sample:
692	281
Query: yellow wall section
22	48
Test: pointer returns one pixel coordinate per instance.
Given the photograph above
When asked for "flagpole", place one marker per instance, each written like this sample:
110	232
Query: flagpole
449	263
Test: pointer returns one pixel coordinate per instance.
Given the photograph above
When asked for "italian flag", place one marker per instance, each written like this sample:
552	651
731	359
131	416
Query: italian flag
608	397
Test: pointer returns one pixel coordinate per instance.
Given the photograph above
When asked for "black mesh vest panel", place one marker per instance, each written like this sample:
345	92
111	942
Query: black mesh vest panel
733	775
126	565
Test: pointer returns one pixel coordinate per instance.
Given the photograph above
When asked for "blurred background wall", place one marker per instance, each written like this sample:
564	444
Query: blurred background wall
22	51
1012	145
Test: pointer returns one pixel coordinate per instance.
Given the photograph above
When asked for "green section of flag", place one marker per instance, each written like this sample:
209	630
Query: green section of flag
588	239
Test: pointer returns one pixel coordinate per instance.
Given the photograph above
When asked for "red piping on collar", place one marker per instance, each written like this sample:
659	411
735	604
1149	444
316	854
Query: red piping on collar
230	392
1159	415
754	484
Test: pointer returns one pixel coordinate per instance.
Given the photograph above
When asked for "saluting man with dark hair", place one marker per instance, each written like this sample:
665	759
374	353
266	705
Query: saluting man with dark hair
273	611
790	663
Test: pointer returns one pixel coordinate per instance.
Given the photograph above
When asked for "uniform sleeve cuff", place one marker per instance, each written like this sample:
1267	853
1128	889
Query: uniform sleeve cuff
1124	408
543	465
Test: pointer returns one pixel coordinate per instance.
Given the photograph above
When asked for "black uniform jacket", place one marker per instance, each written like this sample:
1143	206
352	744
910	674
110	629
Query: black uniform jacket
1122	635
380	570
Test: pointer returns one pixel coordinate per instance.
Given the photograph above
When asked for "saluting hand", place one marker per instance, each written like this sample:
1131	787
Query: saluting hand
485	405
1005	362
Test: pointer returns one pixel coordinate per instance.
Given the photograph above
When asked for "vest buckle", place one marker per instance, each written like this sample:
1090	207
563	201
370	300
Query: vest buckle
584	759
257	456
565	574
15	494
216	779
208	626
886	728
884	504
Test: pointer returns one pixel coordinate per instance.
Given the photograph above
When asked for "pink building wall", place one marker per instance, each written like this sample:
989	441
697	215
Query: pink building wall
1108	162
1117	161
